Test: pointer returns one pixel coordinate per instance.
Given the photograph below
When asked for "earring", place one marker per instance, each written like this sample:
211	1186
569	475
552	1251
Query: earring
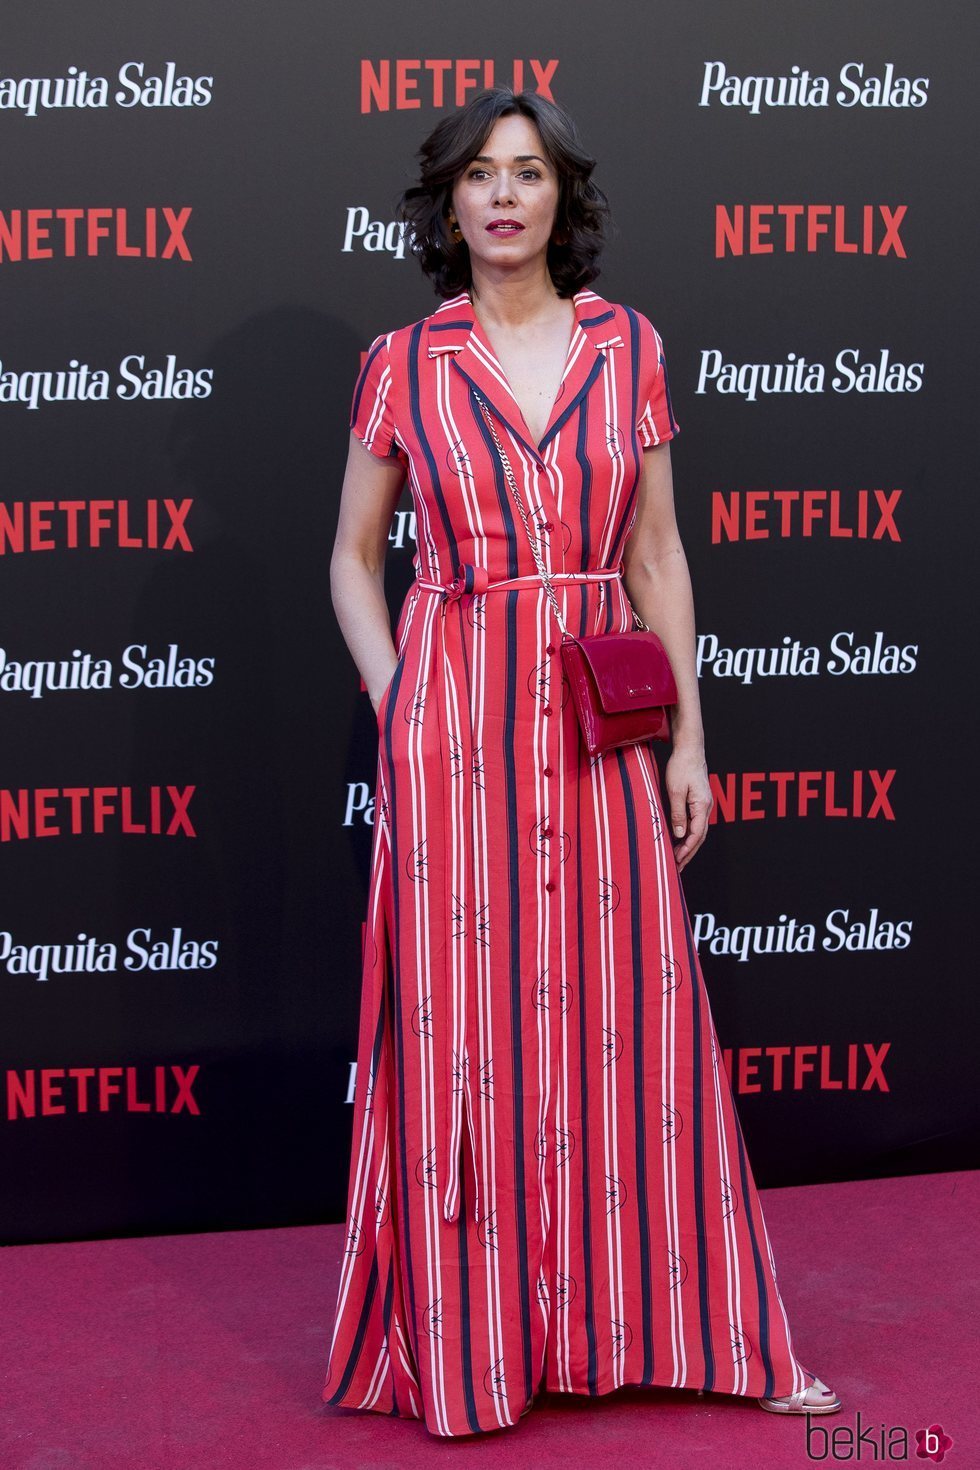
456	231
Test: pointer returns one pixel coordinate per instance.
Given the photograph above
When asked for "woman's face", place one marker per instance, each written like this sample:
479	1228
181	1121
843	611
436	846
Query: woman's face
510	181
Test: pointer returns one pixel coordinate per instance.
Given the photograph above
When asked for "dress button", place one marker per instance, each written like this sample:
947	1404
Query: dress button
549	525
549	771
550	887
550	648
546	710
549	832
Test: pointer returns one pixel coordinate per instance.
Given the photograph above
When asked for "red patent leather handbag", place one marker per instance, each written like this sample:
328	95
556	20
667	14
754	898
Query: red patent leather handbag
621	684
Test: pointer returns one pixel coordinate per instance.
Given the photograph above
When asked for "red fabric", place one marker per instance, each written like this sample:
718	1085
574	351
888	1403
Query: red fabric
548	1181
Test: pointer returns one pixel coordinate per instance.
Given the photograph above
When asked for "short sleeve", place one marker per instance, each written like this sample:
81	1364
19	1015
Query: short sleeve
656	423
371	415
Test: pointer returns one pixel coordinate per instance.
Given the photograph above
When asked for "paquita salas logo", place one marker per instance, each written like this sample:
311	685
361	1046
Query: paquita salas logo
136	85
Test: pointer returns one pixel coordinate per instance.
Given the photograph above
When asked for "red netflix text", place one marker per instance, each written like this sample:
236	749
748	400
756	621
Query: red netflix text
764	229
49	234
756	796
66	525
408	85
854	1068
756	515
83	811
47	1092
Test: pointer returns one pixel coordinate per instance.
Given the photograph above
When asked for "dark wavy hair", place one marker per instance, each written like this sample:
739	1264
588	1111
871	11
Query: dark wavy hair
581	216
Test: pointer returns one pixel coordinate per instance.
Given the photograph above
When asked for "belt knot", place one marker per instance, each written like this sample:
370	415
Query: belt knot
469	580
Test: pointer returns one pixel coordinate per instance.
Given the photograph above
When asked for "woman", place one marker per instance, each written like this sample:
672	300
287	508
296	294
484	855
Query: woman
549	1187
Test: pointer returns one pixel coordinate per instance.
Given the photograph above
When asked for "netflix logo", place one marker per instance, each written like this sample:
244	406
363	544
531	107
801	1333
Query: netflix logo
67	525
50	1092
758	515
788	229
758	796
83	811
154	233
403	85
854	1067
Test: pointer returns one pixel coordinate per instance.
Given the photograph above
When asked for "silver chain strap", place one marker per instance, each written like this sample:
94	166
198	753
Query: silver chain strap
535	552
539	562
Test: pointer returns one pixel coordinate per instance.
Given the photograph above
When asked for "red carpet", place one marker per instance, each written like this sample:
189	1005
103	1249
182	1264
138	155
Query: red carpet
206	1352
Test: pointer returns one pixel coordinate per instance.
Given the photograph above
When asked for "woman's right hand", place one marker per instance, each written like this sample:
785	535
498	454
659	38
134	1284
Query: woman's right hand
367	503
377	698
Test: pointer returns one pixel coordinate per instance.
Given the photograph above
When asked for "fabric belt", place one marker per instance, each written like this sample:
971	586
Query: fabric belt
473	581
455	1008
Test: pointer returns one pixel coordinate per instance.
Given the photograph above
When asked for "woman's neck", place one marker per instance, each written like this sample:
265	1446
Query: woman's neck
514	299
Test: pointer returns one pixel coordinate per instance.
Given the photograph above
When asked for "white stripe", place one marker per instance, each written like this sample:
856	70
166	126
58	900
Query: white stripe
485	1026
378	407
610	1121
479	839
732	1263
428	1080
562	1176
668	1096
617	459
549	856
362	1169
378	1376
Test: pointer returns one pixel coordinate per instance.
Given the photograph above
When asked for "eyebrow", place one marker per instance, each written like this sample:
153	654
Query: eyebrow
518	158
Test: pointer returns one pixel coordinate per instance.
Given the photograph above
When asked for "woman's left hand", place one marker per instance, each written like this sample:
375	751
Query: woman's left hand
689	792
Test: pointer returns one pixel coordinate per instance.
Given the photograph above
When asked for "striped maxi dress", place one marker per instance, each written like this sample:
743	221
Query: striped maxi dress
549	1187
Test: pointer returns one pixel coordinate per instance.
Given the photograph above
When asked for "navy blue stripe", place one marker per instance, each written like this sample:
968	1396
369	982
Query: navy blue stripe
583	981
505	498
398	1011
362	381
618	541
435	326
639	1104
509	743
586	486
698	1150
418	420
765	1340
633	439
670	412
490	404
376	1045
594	321
608	614
355	1353
583	609
634	322
566	413
465	1326
386	1319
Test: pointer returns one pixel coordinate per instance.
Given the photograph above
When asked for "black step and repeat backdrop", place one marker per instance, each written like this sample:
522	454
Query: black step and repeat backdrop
197	243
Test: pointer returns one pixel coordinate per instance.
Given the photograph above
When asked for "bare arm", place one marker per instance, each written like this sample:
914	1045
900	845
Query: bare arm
368	499
658	584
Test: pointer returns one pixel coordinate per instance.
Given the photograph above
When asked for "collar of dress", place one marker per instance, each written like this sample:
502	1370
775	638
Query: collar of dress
453	328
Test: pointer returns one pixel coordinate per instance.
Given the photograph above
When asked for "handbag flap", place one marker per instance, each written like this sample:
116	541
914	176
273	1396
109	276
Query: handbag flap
631	671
